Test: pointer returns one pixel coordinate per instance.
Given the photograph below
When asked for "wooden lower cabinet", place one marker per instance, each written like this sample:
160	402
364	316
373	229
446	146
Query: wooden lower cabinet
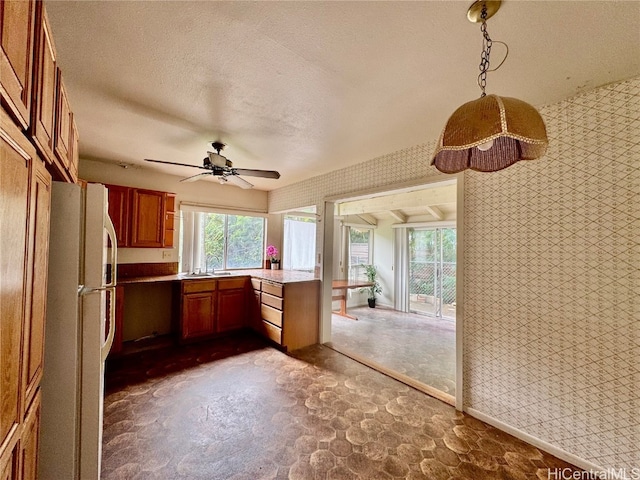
19	461
197	308
198	312
30	441
232	304
9	462
212	306
289	312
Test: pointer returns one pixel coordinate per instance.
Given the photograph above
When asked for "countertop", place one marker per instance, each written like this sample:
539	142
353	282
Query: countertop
279	276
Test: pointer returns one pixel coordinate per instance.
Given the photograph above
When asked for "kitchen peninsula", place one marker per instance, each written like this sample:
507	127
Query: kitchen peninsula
281	305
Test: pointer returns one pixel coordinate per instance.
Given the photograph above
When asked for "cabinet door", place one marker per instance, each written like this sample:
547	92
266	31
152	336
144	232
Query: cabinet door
37	261
169	219
74	153
9	463
62	137
17	23
119	204
198	314
29	443
44	88
147	222
232	309
16	157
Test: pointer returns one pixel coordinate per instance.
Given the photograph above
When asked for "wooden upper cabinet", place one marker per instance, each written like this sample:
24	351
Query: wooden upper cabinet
147	218
74	152
119	203
45	77
17	25
62	137
142	218
169	219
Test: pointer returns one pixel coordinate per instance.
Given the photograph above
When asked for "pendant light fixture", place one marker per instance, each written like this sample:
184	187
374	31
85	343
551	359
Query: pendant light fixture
492	132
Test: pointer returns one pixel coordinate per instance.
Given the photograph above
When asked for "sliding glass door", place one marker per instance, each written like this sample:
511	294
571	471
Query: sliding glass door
432	271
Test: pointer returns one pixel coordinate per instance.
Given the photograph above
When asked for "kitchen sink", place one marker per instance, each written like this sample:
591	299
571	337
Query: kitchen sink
204	275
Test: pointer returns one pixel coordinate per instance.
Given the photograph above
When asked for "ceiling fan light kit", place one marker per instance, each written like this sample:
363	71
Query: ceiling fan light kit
221	167
492	132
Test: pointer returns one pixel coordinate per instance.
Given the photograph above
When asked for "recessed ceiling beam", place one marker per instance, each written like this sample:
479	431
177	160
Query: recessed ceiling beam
398	215
370	219
435	211
429	196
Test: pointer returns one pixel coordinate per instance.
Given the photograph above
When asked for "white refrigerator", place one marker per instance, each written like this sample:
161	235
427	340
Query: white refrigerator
79	331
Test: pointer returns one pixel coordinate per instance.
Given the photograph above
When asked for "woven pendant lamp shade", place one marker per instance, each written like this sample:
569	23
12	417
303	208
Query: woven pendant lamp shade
515	127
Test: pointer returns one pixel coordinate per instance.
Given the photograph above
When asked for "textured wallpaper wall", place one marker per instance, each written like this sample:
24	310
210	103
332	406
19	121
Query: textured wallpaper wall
552	283
407	165
552	275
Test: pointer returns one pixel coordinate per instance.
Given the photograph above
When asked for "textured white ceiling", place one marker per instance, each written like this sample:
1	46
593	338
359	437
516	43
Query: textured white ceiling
309	87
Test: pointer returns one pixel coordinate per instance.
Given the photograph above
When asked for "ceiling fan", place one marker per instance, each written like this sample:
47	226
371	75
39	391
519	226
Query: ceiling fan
220	166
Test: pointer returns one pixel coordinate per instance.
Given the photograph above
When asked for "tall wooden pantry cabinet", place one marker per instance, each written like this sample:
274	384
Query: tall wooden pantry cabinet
38	142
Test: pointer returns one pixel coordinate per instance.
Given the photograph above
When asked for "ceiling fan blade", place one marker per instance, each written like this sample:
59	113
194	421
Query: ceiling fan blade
195	177
174	163
255	173
237	181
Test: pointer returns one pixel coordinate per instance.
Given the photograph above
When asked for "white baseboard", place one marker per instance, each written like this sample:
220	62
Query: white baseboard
541	444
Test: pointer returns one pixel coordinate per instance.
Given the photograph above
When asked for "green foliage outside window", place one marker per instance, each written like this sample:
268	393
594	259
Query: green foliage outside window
232	241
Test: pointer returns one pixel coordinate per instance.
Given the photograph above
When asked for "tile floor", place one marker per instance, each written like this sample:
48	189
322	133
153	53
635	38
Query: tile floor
419	346
236	408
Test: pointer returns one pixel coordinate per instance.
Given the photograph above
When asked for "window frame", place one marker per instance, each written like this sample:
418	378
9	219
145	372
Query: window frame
187	259
293	216
352	267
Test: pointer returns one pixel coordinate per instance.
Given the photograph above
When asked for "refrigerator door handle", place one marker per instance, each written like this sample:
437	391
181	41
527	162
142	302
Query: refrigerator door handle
113	261
84	290
106	346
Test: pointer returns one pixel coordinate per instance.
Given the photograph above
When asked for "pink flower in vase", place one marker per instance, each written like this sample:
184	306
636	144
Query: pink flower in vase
272	253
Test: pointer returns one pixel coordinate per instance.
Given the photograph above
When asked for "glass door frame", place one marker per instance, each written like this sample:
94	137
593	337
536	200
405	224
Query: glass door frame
438	270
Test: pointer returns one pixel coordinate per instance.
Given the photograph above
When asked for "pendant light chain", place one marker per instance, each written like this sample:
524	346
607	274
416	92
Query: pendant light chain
486	51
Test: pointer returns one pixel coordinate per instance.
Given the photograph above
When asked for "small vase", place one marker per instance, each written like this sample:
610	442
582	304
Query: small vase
275	266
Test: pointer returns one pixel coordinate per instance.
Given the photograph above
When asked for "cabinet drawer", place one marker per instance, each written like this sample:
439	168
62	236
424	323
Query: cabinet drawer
198	286
273	288
272	332
232	283
275	302
271	314
256	283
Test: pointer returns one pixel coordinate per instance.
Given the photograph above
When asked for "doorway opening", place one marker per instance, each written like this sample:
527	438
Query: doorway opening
411	238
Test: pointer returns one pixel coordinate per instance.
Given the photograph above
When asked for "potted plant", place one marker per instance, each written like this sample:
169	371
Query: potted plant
272	253
372	273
